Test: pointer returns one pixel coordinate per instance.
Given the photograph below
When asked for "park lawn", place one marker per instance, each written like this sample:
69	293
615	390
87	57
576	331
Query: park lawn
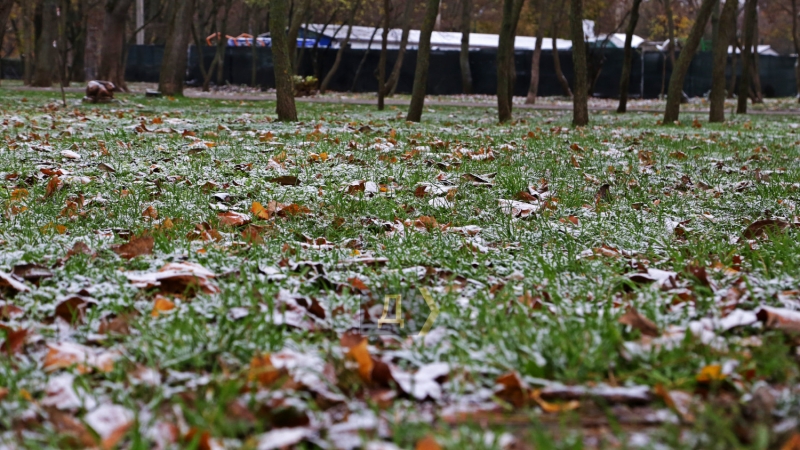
641	292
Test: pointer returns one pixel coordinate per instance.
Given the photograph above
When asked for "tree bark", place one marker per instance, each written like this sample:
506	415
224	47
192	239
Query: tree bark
394	76
364	58
463	57
670	43
625	79
285	106
562	80
674	94
29	42
720	57
387	6
747	56
112	66
533	89
173	66
222	43
5	12
46	58
505	59
294	29
796	42
735	55
580	96
758	94
342	46
423	61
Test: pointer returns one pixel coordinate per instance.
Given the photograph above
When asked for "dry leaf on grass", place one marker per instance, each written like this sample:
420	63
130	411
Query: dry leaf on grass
512	389
286	180
137	246
34	273
233	219
86	359
177	278
549	407
427	443
14	341
12	283
639	322
761	229
111	423
780	318
262	371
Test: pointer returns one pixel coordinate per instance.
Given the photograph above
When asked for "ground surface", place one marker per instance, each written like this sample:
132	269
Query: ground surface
190	273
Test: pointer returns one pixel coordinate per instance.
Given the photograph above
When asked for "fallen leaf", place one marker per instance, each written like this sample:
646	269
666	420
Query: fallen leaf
286	180
150	212
111	423
137	246
161	305
710	373
86	359
358	352
262	371
761	229
427	443
14	341
176	278
233	219
34	273
639	322
553	407
512	389
73	307
13	283
52	186
780	318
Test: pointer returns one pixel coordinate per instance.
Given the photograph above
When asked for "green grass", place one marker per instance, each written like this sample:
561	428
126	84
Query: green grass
486	327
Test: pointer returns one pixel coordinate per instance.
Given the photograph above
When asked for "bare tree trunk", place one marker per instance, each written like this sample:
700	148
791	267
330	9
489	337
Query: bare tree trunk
5	12
387	6
463	57
342	46
364	58
505	59
720	56
580	96
758	96
796	41
222	42
79	17
94	31
112	67
46	58
674	94
735	55
747	56
423	61
315	50
625	80
282	61
670	43
29	42
394	76
533	89
562	80
254	30
294	28
173	66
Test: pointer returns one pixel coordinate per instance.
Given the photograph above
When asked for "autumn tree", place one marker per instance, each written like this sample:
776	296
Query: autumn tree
720	59
533	88
423	60
394	75
675	91
625	77
750	11
463	56
285	106
580	94
505	58
173	66
45	53
112	52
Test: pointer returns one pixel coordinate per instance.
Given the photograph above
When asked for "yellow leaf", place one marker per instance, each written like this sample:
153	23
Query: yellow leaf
710	373
360	354
262	370
553	407
162	305
259	210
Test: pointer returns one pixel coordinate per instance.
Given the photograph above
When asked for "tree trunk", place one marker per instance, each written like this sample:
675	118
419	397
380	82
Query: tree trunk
394	76
505	59
562	80
29	42
758	96
796	42
112	66
282	61
627	62
94	31
364	58
342	46
735	55
670	43
747	56
423	60
46	57
674	94
294	29
463	57
77	70
720	56
533	89
580	96
5	12
173	66
387	6
222	43
315	50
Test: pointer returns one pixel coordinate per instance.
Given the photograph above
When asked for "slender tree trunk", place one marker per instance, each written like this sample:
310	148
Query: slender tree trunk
580	96
315	50
173	66
675	91
222	43
562	80
463	57
342	47
533	89
112	66
364	58
77	70
796	41
29	42
387	6
758	96
735	55
423	60
394	76
720	56
747	56
670	43
294	28
46	58
625	80
282	61
5	12
505	59
94	30
254	47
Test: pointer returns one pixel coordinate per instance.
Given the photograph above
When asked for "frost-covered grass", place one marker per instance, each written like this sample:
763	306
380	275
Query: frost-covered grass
530	301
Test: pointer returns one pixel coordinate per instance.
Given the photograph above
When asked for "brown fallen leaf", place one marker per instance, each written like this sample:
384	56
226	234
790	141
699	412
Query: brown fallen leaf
161	305
32	272
137	246
549	407
358	284
427	443
12	283
150	212
3	393
793	443
357	351
639	322
111	423
427	222
73	307
79	248
286	180
86	359
780	318
76	432
263	371
14	341
512	389
603	194
184	278
761	229
52	186
9	311
233	219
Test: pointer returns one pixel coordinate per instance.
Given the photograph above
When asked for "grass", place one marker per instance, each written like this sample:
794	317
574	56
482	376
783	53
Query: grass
526	296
